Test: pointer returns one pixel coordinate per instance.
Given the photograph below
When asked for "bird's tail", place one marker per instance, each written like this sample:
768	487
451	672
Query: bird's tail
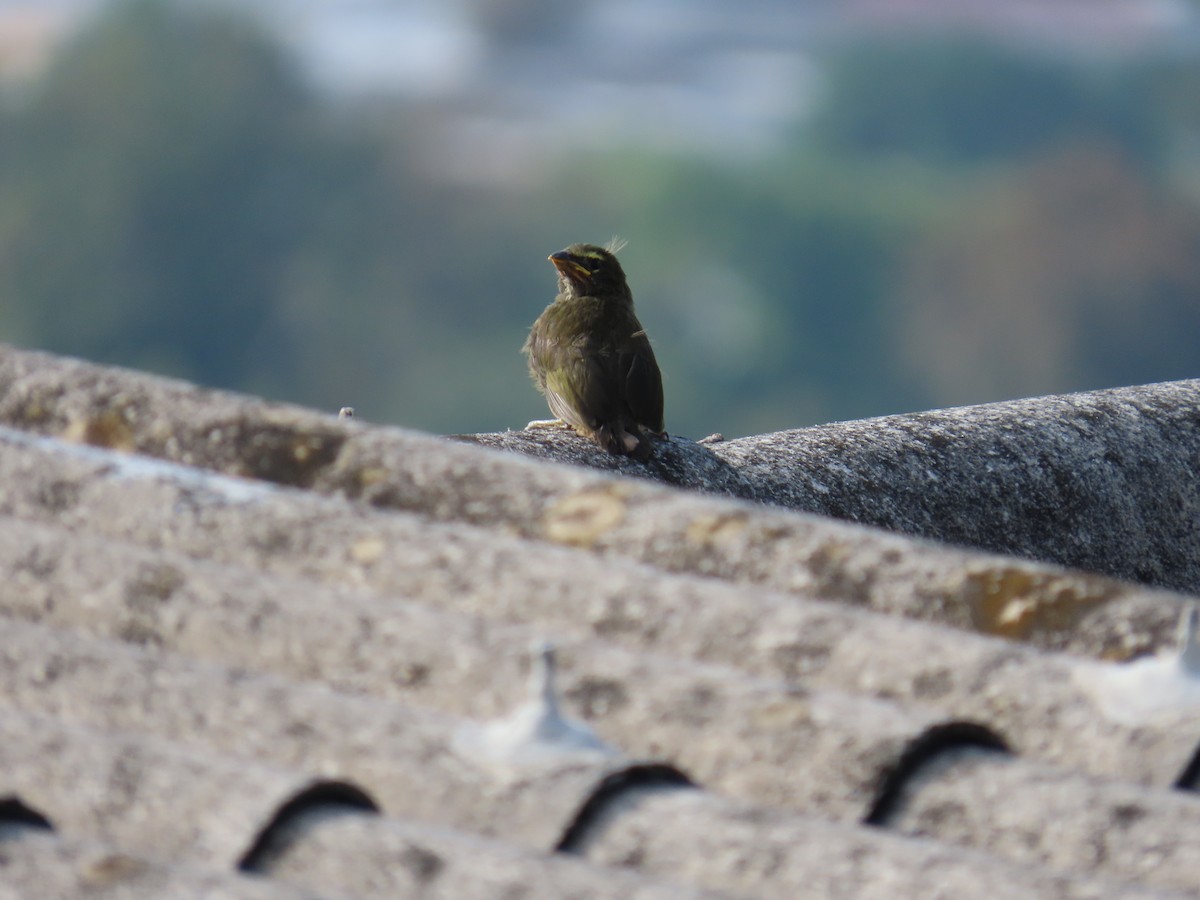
624	439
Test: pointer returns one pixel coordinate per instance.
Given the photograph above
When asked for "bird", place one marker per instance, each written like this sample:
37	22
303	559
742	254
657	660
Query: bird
590	356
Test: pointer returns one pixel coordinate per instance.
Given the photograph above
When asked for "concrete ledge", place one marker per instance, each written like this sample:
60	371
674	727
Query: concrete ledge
1103	481
686	531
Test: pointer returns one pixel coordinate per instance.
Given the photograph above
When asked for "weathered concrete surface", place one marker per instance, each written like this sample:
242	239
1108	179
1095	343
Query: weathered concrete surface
305	586
968	796
353	610
676	461
1103	481
678	531
39	863
1106	481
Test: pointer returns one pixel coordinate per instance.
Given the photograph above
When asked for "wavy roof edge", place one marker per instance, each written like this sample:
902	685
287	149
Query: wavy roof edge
337	613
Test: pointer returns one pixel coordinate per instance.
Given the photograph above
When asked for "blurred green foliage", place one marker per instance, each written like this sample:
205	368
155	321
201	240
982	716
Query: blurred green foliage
968	101
955	222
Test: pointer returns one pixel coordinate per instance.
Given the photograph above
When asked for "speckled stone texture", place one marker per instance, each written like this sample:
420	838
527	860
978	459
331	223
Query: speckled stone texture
254	646
1103	481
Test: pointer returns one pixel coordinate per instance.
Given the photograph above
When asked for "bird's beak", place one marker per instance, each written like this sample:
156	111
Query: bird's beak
567	266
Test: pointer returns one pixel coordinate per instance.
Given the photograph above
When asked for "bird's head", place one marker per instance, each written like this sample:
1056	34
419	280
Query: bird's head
588	270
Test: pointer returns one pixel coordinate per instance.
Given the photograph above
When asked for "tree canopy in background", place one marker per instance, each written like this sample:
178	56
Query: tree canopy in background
159	175
960	102
956	221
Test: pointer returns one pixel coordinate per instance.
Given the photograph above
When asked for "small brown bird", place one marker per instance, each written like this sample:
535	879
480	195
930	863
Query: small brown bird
590	356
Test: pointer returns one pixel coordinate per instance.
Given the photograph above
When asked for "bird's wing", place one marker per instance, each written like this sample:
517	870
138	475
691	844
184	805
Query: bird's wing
579	387
643	383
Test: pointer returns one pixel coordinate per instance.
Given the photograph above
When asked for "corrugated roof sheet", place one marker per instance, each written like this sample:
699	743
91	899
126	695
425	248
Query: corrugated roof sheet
253	649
